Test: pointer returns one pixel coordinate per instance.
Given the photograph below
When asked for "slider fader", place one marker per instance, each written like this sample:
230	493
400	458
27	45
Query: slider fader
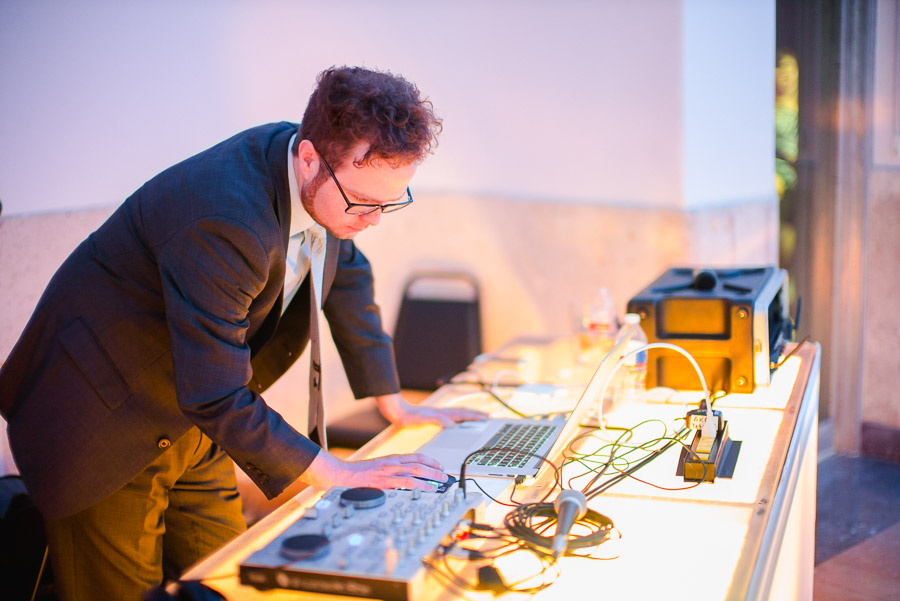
362	542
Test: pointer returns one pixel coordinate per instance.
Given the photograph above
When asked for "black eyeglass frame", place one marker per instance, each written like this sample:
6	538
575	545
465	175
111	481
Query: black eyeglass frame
387	207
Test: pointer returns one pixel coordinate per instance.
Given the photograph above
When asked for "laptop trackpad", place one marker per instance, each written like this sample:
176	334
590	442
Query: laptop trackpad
451	445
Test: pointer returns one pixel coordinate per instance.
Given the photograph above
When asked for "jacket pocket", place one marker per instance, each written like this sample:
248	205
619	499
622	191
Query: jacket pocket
98	369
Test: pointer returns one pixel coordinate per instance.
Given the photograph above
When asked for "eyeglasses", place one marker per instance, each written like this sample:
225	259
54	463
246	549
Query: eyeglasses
358	208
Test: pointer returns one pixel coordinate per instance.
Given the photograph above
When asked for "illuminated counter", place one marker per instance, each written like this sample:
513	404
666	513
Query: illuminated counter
746	537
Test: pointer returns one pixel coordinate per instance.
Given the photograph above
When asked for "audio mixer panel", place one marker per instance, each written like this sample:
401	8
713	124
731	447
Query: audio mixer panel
361	542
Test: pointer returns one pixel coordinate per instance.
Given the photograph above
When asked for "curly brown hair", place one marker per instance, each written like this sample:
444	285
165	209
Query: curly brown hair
352	104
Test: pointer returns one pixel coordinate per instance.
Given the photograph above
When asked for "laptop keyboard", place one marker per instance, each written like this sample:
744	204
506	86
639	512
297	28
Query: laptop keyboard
521	437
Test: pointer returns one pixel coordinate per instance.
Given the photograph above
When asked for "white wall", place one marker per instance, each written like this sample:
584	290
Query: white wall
615	102
729	100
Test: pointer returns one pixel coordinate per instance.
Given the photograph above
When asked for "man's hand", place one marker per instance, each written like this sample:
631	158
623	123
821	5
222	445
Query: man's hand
393	471
398	411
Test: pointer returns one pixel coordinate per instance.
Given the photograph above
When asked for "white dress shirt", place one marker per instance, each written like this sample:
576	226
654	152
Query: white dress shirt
304	231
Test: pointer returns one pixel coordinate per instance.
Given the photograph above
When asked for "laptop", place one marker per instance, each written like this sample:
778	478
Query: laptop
545	437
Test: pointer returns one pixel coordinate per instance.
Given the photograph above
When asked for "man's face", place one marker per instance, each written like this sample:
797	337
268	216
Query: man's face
376	183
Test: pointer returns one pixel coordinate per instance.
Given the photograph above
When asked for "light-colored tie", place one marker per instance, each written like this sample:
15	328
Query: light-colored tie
316	415
316	258
296	267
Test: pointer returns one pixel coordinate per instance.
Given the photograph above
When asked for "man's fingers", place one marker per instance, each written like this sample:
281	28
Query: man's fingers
419	458
408	482
443	417
462	415
393	471
444	421
459	414
391	466
404	471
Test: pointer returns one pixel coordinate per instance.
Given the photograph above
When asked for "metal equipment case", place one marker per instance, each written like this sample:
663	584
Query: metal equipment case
733	321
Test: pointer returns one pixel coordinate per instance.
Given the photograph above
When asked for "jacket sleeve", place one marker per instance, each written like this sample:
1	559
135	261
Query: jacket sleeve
366	351
211	270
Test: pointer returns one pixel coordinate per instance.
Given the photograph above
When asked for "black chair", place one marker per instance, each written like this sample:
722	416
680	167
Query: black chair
438	334
438	330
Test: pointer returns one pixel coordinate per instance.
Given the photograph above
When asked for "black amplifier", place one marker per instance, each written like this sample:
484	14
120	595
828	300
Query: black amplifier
733	321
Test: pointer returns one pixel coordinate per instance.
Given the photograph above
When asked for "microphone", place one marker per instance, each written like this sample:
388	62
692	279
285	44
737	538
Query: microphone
570	507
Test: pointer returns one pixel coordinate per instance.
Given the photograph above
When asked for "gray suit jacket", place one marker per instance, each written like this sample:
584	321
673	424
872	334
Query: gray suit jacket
169	316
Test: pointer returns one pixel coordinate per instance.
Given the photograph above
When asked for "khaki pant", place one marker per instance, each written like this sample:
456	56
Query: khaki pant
178	510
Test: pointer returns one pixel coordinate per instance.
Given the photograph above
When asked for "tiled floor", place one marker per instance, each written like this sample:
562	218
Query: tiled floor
869	571
857	530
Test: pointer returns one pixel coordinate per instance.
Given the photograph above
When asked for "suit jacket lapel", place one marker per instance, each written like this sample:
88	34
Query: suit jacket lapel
276	157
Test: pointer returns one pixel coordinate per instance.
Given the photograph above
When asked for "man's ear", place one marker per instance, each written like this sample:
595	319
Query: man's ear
307	160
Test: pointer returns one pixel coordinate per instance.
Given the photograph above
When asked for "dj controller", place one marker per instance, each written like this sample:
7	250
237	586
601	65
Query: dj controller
362	542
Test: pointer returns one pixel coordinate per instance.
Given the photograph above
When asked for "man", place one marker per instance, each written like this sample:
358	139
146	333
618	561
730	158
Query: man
139	373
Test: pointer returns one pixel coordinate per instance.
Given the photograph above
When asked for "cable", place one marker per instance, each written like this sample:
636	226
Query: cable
594	488
633	477
500	373
462	468
526	528
645	347
529	521
488	576
614	456
489	390
505	404
458	378
485	493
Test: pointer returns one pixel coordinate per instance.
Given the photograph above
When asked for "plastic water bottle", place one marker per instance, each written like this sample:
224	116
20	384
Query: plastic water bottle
600	326
632	381
602	322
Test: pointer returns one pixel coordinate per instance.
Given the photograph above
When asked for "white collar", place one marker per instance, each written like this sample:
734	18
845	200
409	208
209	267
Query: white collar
300	219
